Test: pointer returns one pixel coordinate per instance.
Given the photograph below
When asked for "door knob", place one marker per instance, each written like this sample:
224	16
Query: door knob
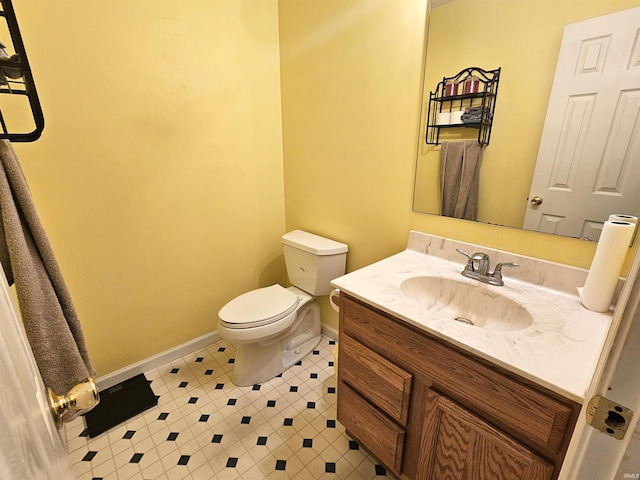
536	200
83	396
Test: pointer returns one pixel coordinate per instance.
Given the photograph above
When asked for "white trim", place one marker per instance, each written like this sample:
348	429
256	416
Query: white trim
173	354
330	332
157	360
592	455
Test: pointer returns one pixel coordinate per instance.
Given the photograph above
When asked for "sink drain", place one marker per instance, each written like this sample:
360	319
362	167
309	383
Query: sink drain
463	320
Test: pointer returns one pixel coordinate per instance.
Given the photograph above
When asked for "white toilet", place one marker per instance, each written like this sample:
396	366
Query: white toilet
275	327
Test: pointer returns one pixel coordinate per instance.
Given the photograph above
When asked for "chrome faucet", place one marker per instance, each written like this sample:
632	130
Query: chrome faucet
479	265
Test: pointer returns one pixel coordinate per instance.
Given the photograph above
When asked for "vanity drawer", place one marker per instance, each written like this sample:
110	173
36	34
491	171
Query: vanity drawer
527	412
380	435
374	377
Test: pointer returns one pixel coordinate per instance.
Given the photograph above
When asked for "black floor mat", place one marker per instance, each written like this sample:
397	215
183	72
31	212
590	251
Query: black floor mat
119	403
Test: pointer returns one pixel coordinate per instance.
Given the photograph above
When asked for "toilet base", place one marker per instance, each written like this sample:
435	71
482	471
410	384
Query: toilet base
258	362
290	358
255	365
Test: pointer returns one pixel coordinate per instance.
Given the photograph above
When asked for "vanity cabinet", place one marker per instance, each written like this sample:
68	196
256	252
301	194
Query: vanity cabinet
429	410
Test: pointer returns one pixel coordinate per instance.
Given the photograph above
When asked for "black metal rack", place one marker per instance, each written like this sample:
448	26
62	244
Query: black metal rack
16	80
478	100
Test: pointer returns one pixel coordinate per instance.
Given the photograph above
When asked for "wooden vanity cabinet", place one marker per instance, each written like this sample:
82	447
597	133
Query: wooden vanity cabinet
429	410
457	444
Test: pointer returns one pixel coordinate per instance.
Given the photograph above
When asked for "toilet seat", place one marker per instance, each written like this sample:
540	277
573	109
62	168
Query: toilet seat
259	307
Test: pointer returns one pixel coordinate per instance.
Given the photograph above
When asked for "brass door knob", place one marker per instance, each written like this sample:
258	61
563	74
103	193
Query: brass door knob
536	200
83	396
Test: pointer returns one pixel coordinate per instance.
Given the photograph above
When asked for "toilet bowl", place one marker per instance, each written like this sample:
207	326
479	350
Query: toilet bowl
275	327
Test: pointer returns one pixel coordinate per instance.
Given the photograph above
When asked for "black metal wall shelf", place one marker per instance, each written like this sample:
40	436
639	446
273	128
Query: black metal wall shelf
16	80
466	100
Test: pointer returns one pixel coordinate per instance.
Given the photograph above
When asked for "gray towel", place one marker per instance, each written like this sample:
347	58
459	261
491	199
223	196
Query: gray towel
48	314
460	178
477	115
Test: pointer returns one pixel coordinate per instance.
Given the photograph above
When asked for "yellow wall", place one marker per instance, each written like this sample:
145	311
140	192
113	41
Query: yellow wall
162	173
351	86
159	174
351	71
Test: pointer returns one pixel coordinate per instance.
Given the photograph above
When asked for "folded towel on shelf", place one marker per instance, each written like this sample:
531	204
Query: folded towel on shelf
476	115
460	178
49	317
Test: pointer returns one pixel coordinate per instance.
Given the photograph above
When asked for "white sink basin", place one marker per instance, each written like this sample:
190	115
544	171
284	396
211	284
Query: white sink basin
533	326
474	304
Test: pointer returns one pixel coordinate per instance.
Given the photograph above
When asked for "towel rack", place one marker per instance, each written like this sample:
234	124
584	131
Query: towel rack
21	118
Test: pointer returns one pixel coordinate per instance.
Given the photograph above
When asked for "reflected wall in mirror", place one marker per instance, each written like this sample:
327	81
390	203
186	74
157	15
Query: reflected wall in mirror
523	38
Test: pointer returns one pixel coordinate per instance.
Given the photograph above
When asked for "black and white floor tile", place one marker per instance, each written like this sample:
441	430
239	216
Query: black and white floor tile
205	427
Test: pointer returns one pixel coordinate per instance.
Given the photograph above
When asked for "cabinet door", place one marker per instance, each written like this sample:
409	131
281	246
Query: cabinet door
458	445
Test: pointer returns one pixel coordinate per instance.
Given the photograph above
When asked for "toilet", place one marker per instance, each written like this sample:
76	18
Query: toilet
275	327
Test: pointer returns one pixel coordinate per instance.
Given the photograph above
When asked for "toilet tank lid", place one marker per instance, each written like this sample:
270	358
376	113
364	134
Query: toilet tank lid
313	243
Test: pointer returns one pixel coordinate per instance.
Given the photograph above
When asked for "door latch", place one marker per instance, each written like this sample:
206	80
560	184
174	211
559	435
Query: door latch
608	417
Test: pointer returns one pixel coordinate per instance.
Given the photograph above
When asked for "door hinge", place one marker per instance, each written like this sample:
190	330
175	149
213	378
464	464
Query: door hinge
608	417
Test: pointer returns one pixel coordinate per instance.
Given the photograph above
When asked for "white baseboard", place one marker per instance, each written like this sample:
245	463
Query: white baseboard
330	332
158	360
173	354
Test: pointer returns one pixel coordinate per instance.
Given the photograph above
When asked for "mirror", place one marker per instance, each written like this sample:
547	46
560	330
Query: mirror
523	38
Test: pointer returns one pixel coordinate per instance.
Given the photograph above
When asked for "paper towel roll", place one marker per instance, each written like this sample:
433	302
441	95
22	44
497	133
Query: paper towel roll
618	217
456	118
443	118
602	278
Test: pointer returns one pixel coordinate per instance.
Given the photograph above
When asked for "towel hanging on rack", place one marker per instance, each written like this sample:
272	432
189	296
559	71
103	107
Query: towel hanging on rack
460	178
47	311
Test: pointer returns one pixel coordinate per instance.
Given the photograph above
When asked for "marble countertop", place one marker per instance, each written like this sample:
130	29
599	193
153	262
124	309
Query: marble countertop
559	350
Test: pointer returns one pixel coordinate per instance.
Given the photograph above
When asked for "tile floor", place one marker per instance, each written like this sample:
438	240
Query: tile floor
204	427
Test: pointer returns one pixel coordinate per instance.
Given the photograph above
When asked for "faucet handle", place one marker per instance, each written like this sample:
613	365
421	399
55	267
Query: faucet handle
464	253
469	266
497	273
506	264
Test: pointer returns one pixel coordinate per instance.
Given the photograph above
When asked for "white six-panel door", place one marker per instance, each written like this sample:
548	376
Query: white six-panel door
30	445
591	138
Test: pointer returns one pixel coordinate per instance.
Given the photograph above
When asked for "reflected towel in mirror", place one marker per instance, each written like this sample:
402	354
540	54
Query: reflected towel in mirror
460	178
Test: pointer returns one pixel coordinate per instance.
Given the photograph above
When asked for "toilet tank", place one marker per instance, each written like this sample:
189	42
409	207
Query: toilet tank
313	261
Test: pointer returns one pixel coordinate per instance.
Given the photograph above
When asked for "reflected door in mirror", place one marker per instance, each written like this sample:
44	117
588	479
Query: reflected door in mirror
592	130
